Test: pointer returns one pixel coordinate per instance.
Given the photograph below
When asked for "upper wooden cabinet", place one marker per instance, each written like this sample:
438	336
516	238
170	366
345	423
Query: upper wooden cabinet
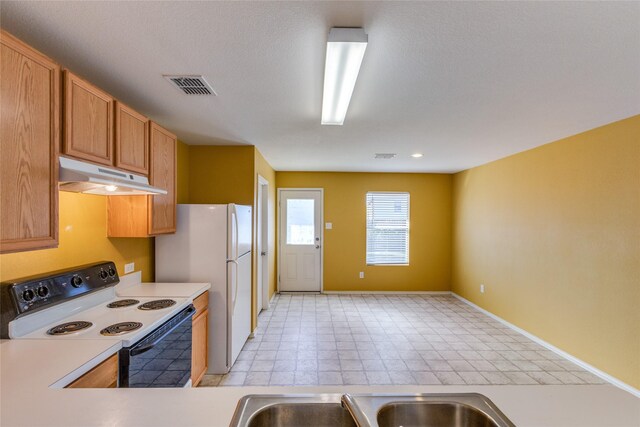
139	216
88	121
163	148
29	138
132	140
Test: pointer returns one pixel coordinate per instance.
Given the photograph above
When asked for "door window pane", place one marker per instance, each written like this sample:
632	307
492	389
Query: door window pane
300	220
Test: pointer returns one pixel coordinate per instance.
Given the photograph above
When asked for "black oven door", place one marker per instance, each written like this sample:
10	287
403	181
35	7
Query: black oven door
162	358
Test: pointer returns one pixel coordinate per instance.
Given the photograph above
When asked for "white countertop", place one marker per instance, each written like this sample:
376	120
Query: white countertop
28	398
33	373
163	290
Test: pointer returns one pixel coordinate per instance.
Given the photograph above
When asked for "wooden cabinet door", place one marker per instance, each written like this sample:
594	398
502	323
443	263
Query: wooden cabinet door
132	140
105	375
199	346
29	138
162	173
88	121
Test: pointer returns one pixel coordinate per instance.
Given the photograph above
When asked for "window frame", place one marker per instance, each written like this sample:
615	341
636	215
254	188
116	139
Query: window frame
395	264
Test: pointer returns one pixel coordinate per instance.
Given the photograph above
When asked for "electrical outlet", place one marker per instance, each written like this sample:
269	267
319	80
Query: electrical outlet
362	274
128	268
328	226
482	289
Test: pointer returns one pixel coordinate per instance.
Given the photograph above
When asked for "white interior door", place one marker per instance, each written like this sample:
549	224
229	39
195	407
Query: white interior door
300	240
260	249
262	234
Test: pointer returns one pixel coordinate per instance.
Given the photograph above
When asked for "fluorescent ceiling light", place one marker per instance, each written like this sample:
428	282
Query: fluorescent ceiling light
345	50
416	155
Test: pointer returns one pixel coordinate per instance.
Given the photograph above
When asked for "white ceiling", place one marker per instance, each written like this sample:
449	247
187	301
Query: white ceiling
463	83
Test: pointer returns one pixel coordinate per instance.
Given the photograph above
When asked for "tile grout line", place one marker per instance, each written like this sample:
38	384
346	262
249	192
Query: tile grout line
455	330
586	366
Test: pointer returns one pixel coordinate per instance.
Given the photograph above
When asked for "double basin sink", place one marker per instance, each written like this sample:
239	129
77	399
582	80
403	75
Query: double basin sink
369	410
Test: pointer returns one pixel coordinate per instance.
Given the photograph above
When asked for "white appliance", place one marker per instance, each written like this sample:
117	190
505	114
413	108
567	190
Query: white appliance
212	243
80	303
83	177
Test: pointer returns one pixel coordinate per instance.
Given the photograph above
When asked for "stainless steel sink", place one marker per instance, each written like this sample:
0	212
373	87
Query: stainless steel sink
423	414
322	410
425	410
368	410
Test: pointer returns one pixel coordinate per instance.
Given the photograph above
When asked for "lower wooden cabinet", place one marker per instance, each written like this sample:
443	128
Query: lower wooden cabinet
105	375
200	339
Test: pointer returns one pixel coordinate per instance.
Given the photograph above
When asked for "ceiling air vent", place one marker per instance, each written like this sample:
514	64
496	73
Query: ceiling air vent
385	155
191	85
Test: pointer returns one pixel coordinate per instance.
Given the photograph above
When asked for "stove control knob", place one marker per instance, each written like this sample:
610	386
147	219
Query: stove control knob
28	295
103	274
112	271
76	281
43	291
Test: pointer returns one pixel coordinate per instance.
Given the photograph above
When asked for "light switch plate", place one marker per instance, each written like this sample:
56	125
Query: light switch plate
128	268
328	225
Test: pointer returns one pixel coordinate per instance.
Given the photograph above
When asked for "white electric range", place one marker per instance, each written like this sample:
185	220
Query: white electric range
81	303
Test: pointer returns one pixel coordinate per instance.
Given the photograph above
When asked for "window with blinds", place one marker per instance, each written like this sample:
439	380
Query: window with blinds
387	228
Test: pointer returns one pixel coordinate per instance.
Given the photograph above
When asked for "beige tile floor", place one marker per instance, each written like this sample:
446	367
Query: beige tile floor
390	339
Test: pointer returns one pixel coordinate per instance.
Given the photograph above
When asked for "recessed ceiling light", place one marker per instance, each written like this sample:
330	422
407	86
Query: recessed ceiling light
416	155
345	50
384	155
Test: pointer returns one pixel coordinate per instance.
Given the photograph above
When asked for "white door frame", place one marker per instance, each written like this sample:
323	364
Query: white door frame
262	244
279	225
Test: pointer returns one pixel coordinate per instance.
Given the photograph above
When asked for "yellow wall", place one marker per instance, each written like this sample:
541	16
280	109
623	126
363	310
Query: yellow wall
182	174
554	235
83	230
221	174
264	169
344	245
228	174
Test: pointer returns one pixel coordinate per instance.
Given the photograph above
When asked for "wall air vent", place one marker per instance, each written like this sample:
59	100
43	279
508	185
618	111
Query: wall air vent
385	155
191	85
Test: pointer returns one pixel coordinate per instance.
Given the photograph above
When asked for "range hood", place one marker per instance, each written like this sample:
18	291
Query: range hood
82	177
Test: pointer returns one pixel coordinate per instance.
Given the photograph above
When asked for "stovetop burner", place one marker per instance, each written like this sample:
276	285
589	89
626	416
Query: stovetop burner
123	303
69	328
157	304
120	328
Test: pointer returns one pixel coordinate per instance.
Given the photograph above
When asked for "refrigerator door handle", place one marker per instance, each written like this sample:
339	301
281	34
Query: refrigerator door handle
237	242
235	294
233	231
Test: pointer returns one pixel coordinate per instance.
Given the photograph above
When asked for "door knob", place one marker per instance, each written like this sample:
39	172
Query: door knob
317	246
263	253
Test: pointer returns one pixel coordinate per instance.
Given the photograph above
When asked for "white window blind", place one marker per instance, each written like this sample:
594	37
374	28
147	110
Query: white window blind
387	228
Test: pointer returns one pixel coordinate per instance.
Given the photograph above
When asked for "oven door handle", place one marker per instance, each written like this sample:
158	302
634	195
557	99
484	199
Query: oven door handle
136	351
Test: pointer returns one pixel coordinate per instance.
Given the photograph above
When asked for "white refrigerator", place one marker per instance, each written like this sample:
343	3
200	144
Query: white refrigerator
212	243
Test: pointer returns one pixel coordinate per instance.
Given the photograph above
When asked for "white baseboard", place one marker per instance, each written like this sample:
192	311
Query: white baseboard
610	379
299	292
387	292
